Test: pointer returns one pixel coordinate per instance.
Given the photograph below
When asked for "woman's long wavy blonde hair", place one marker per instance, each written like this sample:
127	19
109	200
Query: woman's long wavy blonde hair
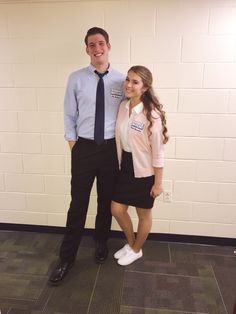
150	101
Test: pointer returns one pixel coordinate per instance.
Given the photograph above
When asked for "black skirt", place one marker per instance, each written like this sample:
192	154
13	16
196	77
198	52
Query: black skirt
130	190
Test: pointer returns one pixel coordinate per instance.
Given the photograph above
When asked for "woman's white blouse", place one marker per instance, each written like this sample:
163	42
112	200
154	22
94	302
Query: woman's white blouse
125	126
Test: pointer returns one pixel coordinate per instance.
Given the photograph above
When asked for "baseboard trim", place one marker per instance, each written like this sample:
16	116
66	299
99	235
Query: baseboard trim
165	237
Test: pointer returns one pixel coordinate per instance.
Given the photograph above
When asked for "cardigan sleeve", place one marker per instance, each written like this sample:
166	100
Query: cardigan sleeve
157	142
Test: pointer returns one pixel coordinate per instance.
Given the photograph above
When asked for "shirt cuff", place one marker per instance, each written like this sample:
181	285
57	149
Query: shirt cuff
71	137
158	163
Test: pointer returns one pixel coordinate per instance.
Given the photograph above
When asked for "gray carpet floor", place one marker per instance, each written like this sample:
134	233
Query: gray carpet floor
171	278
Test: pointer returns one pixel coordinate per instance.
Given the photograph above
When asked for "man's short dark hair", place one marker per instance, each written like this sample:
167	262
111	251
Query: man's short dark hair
94	31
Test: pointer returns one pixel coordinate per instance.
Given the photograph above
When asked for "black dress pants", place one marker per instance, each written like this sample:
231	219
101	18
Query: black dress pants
89	161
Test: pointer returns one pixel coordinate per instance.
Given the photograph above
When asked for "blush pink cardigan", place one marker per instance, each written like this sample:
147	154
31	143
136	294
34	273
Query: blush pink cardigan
147	151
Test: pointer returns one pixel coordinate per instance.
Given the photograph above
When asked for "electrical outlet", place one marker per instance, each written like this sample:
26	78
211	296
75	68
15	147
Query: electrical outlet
167	196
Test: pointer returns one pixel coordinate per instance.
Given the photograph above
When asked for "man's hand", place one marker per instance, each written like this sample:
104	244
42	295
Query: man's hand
71	144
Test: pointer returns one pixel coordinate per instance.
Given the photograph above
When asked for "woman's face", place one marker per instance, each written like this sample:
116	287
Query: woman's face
133	86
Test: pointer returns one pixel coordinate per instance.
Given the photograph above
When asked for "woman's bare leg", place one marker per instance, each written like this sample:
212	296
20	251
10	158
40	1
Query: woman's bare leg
120	212
144	228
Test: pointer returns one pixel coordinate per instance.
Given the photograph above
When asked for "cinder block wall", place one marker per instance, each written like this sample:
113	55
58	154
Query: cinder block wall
190	46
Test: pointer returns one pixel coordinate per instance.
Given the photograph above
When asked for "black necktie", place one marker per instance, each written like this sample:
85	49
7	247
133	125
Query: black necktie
100	110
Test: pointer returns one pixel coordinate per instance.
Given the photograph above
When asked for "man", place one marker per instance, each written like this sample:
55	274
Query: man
93	149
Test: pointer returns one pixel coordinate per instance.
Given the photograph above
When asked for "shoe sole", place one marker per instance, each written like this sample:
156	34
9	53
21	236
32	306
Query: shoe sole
100	262
130	262
55	284
97	261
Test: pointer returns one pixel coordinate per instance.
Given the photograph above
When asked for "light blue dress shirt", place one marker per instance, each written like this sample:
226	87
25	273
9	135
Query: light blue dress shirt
80	102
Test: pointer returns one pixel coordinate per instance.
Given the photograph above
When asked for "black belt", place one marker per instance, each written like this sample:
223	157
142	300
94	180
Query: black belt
88	140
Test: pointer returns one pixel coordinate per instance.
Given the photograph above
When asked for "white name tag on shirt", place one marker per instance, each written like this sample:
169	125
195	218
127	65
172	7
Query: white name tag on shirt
116	93
137	125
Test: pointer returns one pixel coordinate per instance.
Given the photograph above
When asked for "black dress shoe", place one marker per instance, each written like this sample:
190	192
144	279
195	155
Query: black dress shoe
60	272
101	252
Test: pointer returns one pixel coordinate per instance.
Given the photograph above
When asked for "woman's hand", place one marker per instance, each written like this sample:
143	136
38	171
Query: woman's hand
156	191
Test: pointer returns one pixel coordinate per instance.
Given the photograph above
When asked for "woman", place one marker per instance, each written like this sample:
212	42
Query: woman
140	134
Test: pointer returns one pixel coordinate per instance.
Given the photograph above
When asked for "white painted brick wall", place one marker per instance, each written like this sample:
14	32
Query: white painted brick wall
57	184
53	144
220	75
12	201
2	185
11	163
190	46
232	101
179	75
196	191
8	121
17	99
16	50
6	77
35	75
227	193
43	164
222	21
50	99
230	149
46	203
209	49
25	183
20	143
203	101
40	122
199	148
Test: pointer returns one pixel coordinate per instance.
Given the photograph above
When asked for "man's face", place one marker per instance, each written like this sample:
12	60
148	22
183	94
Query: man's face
98	49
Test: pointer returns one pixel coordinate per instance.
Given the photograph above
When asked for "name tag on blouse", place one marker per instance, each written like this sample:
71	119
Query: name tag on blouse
116	93
137	125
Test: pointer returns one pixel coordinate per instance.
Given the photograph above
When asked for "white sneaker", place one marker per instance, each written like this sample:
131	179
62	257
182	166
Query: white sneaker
122	251
129	257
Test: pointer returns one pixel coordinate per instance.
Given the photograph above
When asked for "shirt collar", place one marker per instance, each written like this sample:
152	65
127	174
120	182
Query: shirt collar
92	68
137	109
